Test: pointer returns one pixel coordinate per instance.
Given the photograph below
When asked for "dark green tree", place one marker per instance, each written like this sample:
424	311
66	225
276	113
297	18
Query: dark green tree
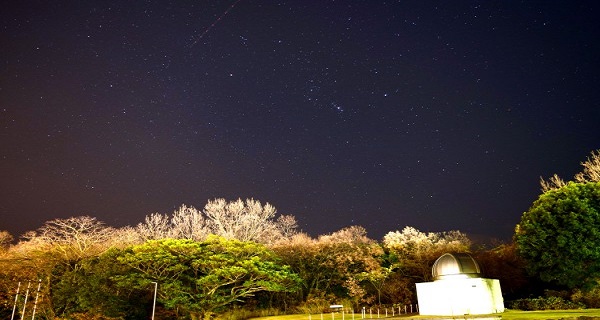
90	290
559	236
202	278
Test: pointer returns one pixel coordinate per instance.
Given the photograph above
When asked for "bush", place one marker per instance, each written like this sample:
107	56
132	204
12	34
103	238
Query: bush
591	298
317	303
544	303
90	316
241	313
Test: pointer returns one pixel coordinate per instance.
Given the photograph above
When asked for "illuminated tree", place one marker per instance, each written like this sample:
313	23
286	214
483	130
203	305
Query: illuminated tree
17	267
204	277
590	173
124	237
591	169
377	278
73	239
90	291
247	220
555	182
57	253
5	239
242	220
559	236
285	227
185	223
416	251
306	258
331	264
155	226
189	223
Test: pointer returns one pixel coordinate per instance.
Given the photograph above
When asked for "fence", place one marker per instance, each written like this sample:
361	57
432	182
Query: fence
25	298
340	313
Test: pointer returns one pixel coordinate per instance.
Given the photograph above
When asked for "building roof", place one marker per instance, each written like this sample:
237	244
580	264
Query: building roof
455	265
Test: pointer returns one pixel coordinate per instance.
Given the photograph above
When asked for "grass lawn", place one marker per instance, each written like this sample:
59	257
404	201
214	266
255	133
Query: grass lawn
587	314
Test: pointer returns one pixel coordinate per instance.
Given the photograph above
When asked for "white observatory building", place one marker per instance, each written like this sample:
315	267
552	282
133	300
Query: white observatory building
459	289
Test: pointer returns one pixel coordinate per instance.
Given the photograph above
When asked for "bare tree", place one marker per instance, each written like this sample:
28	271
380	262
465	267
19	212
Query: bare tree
352	234
73	238
590	173
5	239
555	182
287	225
247	220
243	220
124	237
189	223
591	169
155	226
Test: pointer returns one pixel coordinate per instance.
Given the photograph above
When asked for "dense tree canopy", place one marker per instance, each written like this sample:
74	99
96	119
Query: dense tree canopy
203	277
331	263
559	236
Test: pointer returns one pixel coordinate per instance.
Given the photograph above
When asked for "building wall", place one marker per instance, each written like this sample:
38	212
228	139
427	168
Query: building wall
460	296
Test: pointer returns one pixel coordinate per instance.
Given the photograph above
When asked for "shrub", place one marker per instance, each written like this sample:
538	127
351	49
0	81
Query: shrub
241	313
591	298
544	303
317	303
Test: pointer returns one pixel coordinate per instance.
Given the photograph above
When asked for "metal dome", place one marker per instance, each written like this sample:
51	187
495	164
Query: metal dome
455	265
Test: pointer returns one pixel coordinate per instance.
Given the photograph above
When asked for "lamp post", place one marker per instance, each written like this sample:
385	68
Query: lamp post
154	303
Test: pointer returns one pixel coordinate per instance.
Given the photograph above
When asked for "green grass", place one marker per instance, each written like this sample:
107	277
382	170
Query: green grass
552	314
587	314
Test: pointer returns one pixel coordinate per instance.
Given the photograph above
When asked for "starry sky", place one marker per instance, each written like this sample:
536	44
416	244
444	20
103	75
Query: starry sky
441	115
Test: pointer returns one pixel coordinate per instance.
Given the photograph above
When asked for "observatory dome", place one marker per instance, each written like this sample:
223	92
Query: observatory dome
455	265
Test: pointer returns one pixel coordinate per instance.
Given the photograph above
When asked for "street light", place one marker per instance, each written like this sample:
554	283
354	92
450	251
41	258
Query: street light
154	303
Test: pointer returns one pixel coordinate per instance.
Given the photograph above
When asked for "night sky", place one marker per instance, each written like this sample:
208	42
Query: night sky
440	115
